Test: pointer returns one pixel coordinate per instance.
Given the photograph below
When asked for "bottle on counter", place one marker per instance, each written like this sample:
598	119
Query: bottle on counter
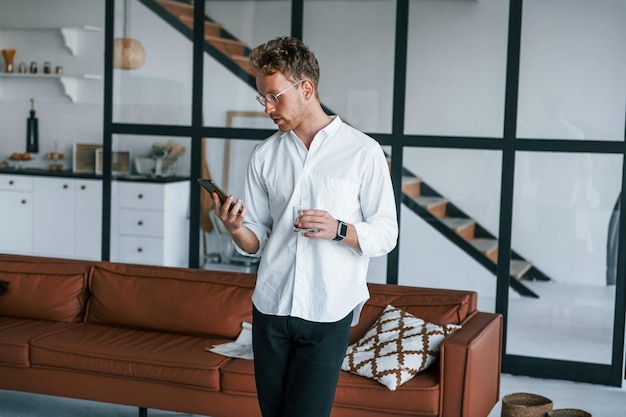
32	130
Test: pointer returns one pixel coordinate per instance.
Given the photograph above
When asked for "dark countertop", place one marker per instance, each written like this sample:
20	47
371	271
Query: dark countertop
85	175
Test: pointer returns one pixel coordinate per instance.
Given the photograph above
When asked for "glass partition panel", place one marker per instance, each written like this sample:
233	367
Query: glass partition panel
152	77
150	200
572	66
562	211
456	67
226	162
355	48
450	219
233	28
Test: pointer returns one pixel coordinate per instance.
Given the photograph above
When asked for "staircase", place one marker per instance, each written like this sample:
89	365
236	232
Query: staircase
465	232
418	196
215	36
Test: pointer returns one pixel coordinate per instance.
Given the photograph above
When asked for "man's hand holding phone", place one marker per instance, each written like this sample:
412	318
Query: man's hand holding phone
228	210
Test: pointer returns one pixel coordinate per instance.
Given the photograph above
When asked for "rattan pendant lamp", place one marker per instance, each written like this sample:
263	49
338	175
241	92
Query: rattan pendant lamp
128	53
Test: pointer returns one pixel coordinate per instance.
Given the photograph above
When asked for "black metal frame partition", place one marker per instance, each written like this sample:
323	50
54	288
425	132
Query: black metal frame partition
531	366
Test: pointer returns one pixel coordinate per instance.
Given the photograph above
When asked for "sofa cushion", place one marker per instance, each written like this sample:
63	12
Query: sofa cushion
45	290
189	301
237	378
417	397
151	356
396	348
16	334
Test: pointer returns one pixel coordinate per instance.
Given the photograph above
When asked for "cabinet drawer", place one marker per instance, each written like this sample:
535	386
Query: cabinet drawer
141	223
141	250
16	182
16	222
141	196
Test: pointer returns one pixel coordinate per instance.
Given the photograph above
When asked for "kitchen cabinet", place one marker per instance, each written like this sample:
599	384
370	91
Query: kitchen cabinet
150	223
16	214
88	222
53	217
67	217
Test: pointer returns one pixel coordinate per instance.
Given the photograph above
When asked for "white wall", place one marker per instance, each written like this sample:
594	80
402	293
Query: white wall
60	121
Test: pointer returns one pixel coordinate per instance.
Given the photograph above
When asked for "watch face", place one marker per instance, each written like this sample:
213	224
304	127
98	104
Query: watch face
342	231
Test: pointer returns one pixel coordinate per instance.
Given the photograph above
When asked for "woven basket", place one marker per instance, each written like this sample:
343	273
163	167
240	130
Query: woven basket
523	404
568	412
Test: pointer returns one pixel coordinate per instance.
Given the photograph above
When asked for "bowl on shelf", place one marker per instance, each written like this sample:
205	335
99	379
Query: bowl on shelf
156	167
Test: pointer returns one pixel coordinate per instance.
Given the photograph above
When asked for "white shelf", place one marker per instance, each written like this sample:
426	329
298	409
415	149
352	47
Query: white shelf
70	82
15	85
70	34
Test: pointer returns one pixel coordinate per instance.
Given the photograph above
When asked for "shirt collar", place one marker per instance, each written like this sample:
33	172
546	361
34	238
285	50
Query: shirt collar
333	126
330	129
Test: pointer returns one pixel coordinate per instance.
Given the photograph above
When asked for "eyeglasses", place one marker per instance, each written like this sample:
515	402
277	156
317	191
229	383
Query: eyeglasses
273	98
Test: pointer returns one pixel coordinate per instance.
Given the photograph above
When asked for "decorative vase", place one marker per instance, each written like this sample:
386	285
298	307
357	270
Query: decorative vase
8	55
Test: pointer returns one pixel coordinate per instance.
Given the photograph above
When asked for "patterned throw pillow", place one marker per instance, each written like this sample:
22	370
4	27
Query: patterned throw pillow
396	348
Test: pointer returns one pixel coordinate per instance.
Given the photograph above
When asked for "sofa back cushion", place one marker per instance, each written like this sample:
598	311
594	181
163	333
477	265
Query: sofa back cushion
179	300
439	306
44	288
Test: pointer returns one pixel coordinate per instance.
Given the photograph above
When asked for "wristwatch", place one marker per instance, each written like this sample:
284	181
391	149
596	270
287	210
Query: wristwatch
342	230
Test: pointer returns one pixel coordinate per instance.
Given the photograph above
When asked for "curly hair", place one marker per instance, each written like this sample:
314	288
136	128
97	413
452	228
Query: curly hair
287	55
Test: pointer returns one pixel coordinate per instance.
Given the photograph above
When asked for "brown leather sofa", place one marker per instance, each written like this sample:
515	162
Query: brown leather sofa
137	335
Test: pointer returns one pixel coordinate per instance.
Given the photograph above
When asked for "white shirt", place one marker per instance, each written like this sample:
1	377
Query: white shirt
344	172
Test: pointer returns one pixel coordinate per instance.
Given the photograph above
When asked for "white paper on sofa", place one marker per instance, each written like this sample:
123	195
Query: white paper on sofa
240	348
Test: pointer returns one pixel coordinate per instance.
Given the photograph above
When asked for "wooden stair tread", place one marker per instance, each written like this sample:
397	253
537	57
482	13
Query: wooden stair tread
457	222
244	62
428	201
210	28
229	47
487	246
518	268
224	40
464	227
484	244
435	205
177	8
411	186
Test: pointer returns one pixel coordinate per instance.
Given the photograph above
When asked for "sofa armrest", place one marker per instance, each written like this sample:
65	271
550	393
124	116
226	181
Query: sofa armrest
470	367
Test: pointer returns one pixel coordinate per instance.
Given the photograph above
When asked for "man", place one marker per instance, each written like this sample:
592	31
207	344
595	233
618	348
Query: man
311	285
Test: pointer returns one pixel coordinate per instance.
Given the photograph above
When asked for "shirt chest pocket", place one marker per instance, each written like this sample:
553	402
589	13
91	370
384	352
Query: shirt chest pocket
340	198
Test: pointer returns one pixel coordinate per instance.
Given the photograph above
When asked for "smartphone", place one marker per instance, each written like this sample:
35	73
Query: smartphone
210	185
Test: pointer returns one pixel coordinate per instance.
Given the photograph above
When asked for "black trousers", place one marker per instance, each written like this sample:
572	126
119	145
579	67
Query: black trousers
297	364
